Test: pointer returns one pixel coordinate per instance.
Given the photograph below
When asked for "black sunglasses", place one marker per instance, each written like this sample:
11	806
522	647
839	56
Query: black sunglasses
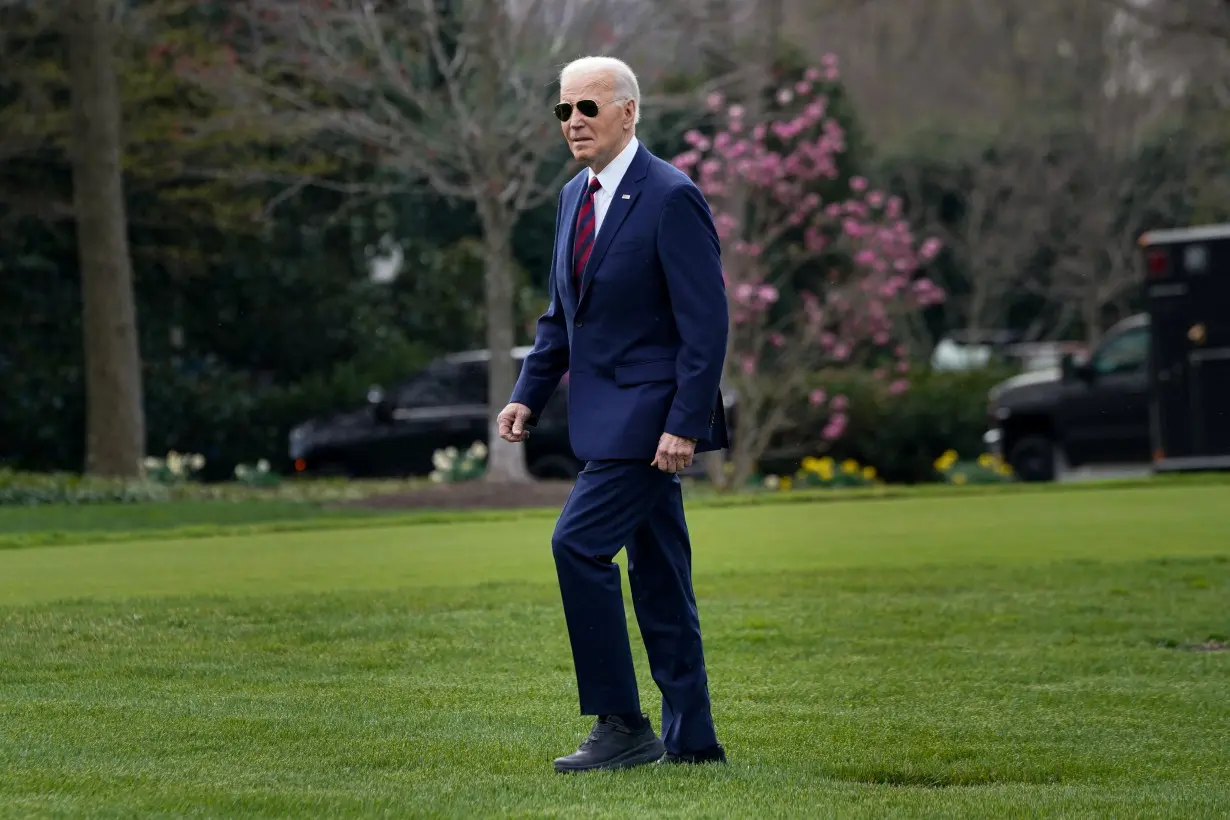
588	108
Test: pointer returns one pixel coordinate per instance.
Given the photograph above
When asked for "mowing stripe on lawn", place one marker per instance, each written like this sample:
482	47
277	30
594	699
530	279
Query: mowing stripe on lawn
1108	524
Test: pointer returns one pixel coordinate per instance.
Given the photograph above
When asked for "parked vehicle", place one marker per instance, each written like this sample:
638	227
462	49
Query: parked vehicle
1093	411
1188	295
401	428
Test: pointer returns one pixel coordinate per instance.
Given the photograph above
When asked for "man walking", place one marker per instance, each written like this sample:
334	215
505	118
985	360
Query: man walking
639	320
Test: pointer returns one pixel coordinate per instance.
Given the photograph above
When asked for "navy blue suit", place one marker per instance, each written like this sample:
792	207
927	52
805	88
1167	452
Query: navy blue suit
643	343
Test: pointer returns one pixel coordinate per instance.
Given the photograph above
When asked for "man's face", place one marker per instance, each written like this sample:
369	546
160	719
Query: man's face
596	140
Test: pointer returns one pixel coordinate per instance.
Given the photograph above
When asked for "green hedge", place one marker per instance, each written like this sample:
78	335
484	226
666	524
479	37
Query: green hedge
901	436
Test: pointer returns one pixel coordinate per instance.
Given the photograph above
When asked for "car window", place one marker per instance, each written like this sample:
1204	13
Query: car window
472	386
1126	353
430	389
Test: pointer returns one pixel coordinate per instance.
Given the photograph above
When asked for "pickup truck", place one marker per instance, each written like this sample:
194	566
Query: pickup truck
1093	411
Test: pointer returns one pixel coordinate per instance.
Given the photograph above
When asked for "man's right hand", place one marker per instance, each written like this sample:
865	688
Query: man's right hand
512	422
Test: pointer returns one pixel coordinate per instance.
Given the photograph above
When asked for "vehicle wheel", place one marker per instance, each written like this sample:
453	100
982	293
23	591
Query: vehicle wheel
1033	459
559	468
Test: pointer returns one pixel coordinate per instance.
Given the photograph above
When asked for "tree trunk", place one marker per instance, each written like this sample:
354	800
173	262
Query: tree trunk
115	418
505	461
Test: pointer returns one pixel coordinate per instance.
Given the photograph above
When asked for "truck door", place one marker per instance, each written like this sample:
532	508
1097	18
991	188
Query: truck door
1104	417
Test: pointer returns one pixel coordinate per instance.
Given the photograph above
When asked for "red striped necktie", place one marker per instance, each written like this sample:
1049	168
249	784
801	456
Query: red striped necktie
586	228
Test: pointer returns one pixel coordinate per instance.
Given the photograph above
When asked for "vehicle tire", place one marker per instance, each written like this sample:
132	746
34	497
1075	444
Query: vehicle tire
1033	459
558	468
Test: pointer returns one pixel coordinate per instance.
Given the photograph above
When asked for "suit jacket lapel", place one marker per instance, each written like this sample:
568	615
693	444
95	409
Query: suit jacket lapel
621	205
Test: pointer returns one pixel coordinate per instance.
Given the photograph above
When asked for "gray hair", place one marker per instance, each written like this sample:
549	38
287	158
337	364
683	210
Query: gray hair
626	86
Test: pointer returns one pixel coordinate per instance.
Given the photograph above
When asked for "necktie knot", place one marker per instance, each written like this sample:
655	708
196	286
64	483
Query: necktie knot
594	184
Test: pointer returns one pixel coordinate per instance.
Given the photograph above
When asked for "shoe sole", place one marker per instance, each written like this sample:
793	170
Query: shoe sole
650	751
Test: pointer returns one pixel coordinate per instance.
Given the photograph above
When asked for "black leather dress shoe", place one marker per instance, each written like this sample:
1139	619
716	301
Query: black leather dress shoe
714	754
612	744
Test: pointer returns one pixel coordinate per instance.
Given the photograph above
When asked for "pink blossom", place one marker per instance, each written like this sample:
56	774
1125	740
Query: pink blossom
749	365
858	184
835	428
687	160
930	249
879	373
829	60
802	87
881	338
875	199
767	294
743	293
840	403
777	340
903	367
715	100
898	387
811	74
817	398
735	112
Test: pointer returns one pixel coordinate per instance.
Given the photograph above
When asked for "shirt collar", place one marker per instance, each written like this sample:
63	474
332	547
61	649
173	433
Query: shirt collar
613	173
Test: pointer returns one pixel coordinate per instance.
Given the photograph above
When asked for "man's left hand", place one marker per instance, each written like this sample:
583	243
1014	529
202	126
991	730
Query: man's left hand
674	453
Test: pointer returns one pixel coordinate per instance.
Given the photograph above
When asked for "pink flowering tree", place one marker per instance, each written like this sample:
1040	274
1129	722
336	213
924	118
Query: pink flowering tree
820	274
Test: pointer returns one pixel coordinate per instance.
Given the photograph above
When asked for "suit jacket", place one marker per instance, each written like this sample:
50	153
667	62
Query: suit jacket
644	341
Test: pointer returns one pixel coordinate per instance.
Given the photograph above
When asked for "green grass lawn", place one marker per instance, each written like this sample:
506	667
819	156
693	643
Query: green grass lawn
1016	654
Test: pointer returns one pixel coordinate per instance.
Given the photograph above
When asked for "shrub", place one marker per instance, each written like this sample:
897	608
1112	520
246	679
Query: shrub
902	435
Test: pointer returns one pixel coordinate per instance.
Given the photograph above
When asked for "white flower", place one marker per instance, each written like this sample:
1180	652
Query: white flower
437	477
440	460
478	450
241	470
451	452
152	463
175	463
262	466
772	482
197	461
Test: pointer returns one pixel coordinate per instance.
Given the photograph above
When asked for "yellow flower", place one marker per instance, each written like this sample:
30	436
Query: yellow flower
1004	469
959	478
811	464
869	472
786	484
945	461
849	466
986	461
825	471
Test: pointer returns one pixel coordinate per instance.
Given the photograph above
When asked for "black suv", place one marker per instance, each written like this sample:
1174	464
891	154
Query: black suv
445	405
1083	413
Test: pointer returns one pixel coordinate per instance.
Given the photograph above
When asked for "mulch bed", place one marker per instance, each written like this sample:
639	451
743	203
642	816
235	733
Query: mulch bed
473	495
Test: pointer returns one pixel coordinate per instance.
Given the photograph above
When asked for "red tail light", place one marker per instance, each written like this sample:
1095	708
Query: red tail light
1158	263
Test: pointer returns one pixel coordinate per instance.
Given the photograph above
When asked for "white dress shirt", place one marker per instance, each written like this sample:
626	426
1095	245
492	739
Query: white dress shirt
611	176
